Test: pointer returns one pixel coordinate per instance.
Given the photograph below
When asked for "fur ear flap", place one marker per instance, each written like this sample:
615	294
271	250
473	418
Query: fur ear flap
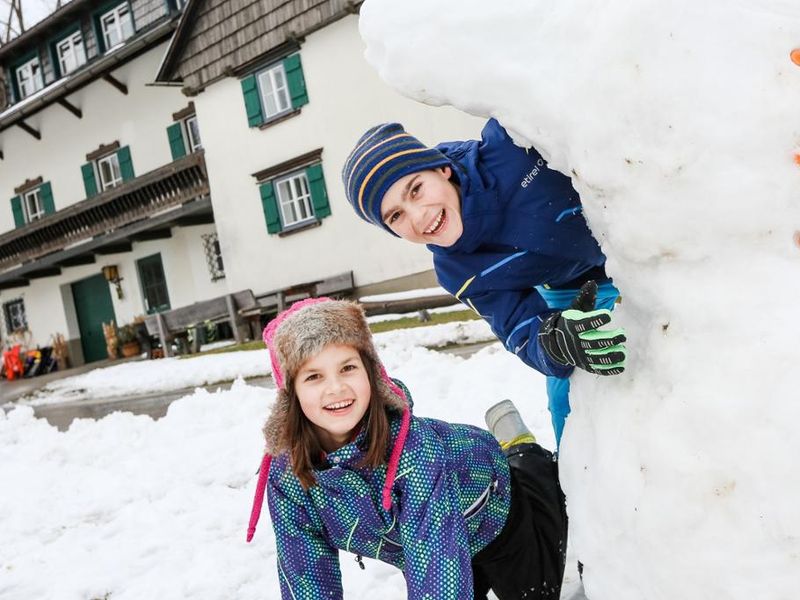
276	424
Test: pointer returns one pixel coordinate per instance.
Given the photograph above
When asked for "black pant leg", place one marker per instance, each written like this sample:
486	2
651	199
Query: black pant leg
527	558
480	584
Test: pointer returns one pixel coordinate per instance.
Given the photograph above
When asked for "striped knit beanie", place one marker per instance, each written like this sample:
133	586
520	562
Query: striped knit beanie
384	154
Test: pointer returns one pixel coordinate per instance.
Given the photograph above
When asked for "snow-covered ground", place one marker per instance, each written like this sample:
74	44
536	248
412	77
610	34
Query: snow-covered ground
679	123
127	508
168	374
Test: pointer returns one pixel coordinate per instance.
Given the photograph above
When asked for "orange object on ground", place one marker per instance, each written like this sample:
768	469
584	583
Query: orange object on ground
13	363
797	158
795	56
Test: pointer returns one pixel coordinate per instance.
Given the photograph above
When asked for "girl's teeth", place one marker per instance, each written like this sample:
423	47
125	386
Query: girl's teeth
339	405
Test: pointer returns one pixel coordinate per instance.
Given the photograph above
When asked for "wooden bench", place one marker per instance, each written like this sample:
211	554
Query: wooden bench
275	301
406	305
169	324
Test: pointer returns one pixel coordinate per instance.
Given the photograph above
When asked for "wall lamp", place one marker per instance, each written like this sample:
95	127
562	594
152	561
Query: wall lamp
111	273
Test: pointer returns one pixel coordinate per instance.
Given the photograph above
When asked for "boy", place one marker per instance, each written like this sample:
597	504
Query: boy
508	239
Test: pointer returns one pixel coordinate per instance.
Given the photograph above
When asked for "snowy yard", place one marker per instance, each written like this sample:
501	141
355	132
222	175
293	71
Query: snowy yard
127	508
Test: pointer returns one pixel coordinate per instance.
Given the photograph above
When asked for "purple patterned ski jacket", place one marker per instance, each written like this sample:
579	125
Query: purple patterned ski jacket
450	498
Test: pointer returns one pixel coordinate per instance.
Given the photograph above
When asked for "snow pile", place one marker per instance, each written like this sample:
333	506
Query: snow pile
153	376
130	508
169	374
678	123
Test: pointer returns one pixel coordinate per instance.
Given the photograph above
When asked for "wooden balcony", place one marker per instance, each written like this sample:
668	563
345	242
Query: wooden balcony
175	194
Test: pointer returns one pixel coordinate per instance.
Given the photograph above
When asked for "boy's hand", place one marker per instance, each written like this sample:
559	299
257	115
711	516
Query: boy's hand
572	337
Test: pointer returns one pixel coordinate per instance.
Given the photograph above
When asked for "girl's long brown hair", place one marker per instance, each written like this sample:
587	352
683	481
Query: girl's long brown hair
305	448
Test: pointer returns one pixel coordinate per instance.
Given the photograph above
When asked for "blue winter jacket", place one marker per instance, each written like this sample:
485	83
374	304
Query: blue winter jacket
450	498
523	227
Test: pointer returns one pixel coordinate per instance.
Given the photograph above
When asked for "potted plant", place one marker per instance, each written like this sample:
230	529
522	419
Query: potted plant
128	342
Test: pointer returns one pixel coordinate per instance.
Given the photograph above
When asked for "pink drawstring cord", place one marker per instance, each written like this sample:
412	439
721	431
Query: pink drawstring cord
394	459
258	501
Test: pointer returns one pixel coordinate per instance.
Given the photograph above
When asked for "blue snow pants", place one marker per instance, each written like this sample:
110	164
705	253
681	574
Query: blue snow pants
557	388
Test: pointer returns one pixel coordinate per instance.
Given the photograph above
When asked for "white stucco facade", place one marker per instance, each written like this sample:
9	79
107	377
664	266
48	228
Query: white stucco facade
346	97
139	120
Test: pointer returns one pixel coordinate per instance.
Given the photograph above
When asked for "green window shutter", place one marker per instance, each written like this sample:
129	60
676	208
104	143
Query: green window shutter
16	208
252	101
319	195
125	163
270	205
46	192
176	145
89	181
296	81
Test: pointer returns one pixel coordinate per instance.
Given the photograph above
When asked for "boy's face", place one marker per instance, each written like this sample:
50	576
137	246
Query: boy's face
424	208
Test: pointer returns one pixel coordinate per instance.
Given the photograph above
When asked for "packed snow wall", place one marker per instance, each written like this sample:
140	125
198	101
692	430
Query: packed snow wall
679	123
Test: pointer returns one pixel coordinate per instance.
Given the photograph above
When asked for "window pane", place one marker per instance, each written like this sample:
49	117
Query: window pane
15	315
33	205
29	78
125	22
271	106
110	174
283	100
193	132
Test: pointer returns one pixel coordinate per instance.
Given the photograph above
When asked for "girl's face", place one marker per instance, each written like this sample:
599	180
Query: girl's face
334	392
424	208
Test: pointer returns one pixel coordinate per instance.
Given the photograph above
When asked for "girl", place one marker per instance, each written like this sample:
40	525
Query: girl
349	468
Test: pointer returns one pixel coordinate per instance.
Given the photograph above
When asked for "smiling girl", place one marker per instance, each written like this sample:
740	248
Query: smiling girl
349	468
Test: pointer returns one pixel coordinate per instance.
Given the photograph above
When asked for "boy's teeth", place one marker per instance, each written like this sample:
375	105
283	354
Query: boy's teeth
437	223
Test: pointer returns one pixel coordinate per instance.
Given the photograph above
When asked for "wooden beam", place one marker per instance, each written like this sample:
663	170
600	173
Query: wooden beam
123	246
75	261
155	234
114	82
71	107
48	272
201	219
14	283
166	345
27	128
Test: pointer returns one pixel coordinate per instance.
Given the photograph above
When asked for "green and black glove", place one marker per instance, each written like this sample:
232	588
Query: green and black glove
572	337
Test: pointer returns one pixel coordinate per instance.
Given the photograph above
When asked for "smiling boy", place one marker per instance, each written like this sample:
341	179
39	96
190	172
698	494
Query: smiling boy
508	239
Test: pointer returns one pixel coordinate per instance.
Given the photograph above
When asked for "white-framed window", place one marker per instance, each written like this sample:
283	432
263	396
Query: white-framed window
109	171
71	53
117	25
34	207
192	130
274	91
15	315
213	256
294	199
29	78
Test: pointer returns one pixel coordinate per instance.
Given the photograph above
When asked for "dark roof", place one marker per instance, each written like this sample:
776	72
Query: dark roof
219	38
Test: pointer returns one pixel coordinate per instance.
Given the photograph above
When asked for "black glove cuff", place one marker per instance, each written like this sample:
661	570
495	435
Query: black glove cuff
547	338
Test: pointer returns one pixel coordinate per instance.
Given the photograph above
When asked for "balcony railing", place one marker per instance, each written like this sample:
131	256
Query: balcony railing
147	195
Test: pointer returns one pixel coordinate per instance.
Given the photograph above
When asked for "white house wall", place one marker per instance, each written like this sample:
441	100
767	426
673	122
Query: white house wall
49	304
138	119
346	97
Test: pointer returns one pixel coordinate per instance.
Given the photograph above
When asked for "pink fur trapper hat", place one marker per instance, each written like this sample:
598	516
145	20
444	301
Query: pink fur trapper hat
301	332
